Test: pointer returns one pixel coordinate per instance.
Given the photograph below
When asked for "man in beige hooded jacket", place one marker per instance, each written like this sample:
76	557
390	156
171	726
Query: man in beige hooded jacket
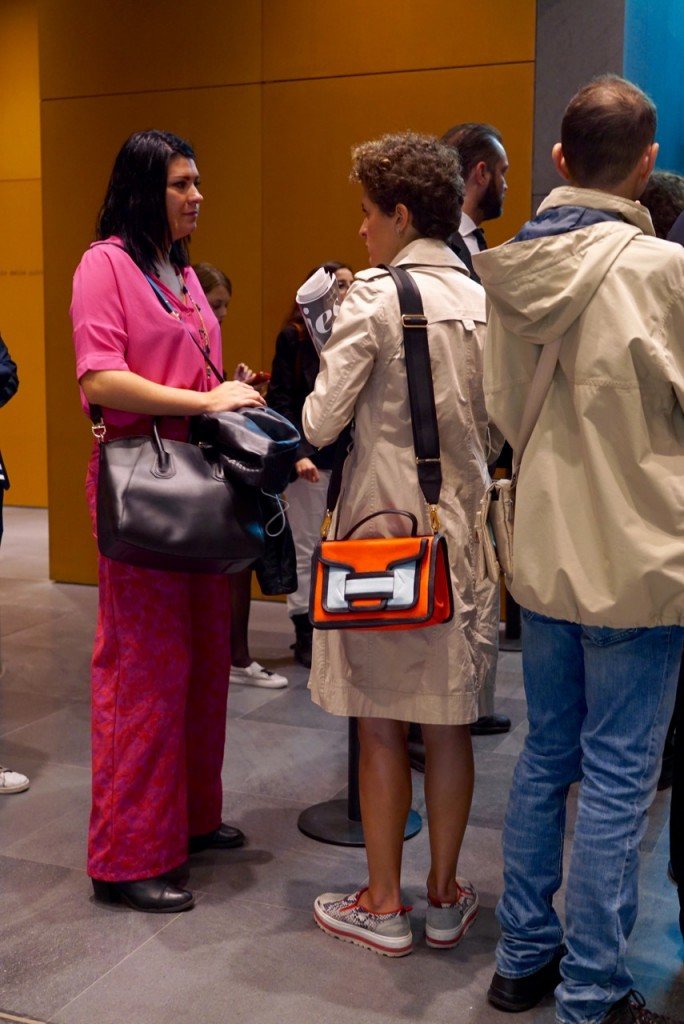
598	550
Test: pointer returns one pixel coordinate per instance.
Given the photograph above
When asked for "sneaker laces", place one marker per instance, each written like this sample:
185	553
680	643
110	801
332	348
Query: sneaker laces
357	905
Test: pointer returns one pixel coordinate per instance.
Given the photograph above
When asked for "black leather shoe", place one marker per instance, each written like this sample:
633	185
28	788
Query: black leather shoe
151	895
178	876
512	995
490	725
225	837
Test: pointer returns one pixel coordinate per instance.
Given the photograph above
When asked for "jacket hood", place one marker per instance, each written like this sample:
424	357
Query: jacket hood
540	287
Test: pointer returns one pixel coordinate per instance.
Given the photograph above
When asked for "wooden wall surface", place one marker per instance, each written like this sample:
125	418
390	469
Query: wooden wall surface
22	421
272	94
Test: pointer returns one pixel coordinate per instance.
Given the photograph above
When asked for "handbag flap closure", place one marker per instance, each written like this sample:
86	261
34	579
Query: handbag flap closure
372	573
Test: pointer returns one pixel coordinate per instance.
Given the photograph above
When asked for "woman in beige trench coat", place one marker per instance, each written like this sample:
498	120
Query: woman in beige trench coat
412	194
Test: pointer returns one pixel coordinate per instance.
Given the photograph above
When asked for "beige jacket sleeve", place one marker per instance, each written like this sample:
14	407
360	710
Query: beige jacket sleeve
347	361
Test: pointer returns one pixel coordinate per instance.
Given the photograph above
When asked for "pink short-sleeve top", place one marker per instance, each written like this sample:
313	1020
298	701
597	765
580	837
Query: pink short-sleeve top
120	324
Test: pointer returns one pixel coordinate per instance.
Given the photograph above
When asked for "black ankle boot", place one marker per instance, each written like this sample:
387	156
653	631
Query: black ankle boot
151	895
303	639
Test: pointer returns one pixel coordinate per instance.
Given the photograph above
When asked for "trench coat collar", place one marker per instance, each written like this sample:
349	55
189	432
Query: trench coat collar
429	252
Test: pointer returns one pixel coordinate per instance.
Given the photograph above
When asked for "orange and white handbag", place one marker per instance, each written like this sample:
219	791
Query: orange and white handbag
399	582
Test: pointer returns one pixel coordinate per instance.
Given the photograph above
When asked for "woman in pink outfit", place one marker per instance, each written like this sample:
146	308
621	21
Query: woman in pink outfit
161	658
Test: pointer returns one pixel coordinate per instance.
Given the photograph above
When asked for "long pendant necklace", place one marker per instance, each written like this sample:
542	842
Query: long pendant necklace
191	304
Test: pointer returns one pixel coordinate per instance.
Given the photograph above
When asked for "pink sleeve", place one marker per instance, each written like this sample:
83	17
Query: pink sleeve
97	314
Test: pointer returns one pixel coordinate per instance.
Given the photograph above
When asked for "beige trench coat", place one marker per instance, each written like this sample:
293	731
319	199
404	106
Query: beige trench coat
431	675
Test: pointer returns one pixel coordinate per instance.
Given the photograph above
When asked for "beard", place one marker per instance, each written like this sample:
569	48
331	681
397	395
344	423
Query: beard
491	203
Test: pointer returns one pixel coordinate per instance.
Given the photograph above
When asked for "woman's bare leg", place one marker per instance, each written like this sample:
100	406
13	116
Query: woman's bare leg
449	780
385	793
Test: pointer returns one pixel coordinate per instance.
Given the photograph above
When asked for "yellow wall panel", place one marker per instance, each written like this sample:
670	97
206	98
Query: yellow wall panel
90	49
313	214
22	430
312	40
19	107
80	140
272	147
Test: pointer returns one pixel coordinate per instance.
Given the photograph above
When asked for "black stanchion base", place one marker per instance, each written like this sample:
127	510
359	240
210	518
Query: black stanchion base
329	823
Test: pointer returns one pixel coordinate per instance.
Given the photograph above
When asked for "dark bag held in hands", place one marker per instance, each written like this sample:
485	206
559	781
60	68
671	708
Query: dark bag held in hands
391	582
257	445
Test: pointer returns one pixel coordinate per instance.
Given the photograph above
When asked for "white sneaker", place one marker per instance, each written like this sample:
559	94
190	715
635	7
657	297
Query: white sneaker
447	923
256	675
12	782
345	917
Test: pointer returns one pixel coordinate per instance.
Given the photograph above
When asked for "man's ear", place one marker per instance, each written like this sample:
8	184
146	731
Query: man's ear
650	157
480	174
559	161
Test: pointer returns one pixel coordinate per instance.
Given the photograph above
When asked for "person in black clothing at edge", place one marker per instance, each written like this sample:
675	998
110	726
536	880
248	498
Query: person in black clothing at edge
663	197
484	164
293	375
10	782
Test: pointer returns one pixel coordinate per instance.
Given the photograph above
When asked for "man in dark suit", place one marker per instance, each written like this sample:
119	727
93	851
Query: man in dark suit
483	166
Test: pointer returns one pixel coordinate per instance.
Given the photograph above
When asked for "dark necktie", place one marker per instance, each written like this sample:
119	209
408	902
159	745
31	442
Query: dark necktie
479	236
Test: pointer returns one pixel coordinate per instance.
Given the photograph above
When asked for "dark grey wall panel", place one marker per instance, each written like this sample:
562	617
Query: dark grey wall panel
576	39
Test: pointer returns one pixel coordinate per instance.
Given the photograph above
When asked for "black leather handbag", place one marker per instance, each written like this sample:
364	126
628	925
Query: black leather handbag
169	505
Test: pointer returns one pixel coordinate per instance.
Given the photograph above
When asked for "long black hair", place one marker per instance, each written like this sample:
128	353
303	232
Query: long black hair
134	206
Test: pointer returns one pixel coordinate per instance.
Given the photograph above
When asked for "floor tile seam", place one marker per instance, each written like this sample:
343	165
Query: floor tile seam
48	763
166	924
6	634
21	691
33	723
284	801
297	725
246	901
6	854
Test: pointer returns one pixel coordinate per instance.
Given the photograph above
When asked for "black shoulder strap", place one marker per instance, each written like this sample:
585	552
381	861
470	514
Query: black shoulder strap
421	394
420	386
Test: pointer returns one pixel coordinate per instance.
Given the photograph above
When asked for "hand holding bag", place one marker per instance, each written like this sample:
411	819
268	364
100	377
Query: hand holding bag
391	582
497	509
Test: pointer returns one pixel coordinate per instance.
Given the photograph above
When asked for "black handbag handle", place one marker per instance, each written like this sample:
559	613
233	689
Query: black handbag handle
385	512
421	400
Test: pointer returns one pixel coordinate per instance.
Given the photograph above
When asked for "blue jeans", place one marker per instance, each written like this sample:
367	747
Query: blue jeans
599	704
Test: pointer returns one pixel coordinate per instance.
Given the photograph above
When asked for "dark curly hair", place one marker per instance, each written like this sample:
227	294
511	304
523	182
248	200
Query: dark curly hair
134	207
418	171
663	197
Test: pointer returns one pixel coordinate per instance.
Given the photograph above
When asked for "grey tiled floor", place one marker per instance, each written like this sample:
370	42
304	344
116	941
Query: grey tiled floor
249	951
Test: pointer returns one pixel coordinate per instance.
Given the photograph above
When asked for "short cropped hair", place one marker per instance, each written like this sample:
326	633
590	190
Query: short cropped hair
211	277
474	142
663	197
134	206
606	127
418	171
